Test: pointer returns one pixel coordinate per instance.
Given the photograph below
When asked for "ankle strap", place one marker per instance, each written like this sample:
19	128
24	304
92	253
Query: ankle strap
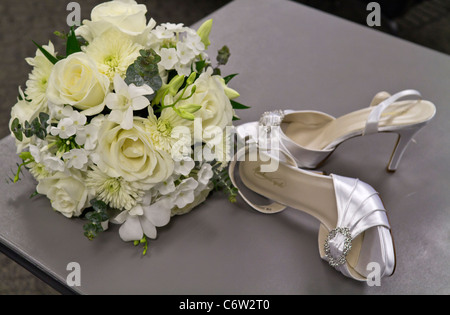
375	114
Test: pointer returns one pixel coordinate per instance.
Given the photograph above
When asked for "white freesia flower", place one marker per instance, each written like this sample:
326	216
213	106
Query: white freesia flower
41	154
113	52
184	165
131	154
184	193
65	128
53	163
172	27
114	191
143	220
202	191
183	69
76	81
67	192
200	194
125	100
76	158
56	110
169	58
185	54
88	136
166	187
194	42
161	32
205	174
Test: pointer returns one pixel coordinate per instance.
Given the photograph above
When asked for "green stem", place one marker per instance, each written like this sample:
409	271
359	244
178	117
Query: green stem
19	170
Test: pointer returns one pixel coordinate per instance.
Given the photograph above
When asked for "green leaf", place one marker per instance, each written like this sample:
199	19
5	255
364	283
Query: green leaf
96	217
98	205
229	77
35	193
44	117
237	105
48	55
72	45
144	70
27	131
223	55
200	65
16	129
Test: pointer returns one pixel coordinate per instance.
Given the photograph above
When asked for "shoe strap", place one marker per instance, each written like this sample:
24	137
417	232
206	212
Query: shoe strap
269	208
375	114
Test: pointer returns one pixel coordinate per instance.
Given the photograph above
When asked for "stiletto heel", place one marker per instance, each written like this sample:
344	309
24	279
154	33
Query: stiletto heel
404	138
311	136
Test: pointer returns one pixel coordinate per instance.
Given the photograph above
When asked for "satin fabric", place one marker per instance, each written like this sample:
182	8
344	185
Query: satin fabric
360	209
305	158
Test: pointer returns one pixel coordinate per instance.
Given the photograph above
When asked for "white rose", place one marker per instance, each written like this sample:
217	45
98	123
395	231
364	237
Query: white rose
126	16
67	192
130	154
76	81
216	110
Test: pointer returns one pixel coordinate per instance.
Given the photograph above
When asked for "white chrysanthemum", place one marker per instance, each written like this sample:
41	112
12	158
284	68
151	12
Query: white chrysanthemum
113	52
115	191
39	171
168	130
38	78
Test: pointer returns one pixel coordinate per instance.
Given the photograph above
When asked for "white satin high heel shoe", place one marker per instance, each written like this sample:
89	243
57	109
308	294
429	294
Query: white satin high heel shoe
354	233
311	136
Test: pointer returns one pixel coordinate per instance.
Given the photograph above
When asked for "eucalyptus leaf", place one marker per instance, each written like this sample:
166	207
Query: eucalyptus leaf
223	55
16	129
144	70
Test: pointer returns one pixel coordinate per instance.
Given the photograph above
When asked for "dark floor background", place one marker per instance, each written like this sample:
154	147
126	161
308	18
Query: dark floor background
425	22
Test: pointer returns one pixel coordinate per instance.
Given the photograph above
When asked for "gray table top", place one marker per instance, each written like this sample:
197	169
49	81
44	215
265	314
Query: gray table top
288	56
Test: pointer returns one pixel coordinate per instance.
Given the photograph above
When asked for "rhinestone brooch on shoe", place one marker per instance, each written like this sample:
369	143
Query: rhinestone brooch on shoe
338	261
271	119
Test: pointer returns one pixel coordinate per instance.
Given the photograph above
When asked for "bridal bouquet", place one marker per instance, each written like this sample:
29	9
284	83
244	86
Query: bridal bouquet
129	126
